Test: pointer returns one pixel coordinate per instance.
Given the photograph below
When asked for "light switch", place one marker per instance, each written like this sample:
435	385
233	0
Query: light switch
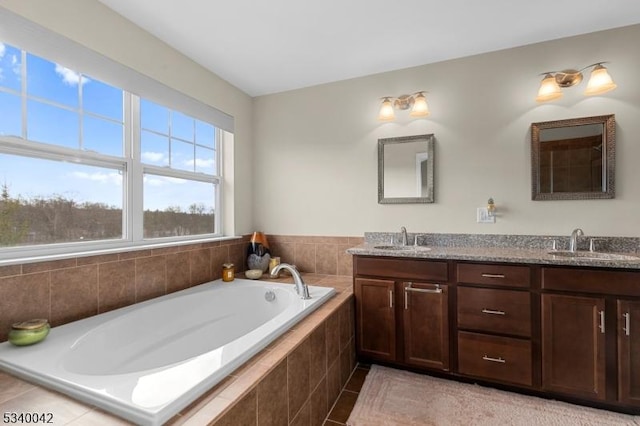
483	216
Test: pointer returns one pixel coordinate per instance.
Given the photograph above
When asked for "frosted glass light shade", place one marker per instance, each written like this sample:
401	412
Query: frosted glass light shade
386	111
420	107
549	89
600	82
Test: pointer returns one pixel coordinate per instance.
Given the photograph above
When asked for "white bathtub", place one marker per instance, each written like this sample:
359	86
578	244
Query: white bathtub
147	361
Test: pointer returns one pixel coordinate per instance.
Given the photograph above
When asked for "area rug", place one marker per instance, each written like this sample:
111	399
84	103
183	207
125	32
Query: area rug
392	397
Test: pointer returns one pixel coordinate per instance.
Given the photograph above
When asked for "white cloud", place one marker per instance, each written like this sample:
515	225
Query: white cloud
16	66
100	177
207	163
2	50
152	157
69	77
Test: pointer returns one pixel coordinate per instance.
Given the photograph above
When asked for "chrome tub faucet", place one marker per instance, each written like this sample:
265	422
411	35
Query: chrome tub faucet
301	287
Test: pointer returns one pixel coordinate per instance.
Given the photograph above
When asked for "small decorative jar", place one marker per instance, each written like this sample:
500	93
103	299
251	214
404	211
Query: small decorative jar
228	272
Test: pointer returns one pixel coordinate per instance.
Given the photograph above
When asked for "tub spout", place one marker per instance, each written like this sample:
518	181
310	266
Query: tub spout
301	287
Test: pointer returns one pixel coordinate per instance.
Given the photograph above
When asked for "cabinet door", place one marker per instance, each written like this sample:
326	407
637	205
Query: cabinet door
573	342
376	336
426	325
629	352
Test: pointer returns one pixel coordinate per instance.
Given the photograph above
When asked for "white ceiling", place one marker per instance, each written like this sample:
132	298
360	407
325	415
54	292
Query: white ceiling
269	46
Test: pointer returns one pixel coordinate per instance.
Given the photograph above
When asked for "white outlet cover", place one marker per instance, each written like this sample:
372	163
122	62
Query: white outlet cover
482	216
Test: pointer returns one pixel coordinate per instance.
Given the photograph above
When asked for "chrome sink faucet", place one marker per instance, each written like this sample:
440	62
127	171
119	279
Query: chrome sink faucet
403	231
573	240
301	287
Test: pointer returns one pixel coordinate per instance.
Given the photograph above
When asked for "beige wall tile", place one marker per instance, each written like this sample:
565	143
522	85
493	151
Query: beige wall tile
74	294
272	397
245	412
317	356
298	377
151	277
24	297
305	258
116	285
326	259
178	271
200	261
30	268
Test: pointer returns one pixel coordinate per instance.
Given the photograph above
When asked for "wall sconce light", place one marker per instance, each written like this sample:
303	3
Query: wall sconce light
553	82
417	102
491	207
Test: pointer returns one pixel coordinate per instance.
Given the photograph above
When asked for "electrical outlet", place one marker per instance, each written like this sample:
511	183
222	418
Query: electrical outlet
483	216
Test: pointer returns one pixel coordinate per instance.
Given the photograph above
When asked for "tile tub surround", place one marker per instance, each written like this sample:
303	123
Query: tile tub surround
294	381
315	254
75	288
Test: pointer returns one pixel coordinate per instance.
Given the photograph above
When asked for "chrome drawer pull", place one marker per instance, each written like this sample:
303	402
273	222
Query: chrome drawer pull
493	275
601	326
390	298
500	359
627	323
493	312
423	290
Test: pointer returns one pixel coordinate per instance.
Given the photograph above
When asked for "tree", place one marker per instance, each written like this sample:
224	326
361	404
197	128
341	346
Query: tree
13	230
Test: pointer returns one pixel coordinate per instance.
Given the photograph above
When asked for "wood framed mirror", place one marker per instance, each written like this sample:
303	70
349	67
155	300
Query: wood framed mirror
573	159
405	169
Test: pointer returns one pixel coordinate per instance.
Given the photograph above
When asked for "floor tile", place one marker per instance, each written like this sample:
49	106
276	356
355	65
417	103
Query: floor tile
342	409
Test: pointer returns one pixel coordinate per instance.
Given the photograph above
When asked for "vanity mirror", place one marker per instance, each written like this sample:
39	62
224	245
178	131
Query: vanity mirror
573	159
405	170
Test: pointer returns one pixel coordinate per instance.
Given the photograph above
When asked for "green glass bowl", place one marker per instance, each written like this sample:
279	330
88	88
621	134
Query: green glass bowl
28	337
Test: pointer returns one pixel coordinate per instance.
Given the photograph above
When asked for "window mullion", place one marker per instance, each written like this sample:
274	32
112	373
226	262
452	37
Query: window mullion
134	197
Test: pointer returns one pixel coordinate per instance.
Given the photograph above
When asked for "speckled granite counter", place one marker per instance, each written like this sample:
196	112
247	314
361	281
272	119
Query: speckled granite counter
617	252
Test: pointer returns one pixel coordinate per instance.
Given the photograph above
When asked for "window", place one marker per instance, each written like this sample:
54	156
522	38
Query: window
83	161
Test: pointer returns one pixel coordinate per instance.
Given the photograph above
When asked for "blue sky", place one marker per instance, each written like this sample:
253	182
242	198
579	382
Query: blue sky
54	94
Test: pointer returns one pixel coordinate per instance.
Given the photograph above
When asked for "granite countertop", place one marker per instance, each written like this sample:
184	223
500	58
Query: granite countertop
507	249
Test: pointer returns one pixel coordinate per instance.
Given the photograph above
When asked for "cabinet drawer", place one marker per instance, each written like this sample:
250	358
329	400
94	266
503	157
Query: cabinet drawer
497	311
500	275
495	358
619	283
401	269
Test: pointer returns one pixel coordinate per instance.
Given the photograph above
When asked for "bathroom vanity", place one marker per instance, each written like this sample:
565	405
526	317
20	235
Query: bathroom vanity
566	327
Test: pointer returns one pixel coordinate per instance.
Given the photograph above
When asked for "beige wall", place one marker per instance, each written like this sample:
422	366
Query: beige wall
306	160
93	25
316	148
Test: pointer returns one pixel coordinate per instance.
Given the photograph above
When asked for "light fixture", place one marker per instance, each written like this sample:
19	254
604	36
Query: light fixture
554	81
417	102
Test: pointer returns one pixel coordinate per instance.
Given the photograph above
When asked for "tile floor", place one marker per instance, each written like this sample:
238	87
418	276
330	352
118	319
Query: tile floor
348	396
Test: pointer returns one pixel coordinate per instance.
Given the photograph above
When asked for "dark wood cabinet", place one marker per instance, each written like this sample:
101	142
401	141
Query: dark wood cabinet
426	325
573	345
628	327
376	327
402	312
563	332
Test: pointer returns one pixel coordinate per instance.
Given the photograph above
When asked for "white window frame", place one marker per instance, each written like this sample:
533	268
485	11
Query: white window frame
28	36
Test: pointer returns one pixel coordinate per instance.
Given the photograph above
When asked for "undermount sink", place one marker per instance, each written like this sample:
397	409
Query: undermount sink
402	248
592	255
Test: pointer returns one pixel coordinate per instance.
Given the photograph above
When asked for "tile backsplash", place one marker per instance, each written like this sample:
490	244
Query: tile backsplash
71	289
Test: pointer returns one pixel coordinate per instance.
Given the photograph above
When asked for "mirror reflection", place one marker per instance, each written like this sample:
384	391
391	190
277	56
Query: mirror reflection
405	170
573	159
